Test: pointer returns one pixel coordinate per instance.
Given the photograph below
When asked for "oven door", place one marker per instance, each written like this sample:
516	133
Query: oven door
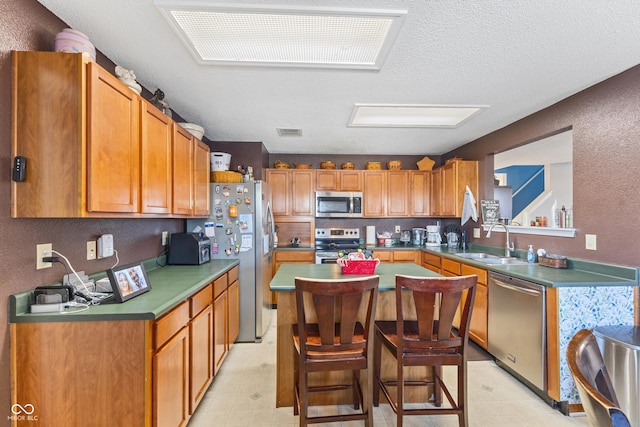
325	257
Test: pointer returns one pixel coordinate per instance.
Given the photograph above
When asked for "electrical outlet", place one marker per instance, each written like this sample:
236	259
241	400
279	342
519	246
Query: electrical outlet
165	238
476	233
91	250
398	229
590	242
43	250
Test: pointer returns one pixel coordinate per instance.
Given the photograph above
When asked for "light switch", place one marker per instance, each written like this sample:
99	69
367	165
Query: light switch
476	233
590	242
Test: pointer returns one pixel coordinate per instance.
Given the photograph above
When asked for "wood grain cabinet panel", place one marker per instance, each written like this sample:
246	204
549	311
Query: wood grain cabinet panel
398	193
182	171
95	148
374	194
171	382
156	150
201	355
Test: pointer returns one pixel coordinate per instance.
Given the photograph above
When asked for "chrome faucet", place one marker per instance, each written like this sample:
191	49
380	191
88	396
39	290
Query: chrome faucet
508	247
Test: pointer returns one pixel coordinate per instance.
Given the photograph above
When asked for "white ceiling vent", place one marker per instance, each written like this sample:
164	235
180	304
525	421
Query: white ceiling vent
289	132
283	36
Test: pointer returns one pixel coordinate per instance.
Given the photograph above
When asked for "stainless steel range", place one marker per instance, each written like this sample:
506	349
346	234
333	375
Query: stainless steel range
330	241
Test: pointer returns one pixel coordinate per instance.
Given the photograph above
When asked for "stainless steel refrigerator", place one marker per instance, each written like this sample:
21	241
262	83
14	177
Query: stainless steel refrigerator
241	227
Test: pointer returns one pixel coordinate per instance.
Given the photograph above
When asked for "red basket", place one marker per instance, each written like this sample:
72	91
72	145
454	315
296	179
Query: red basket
358	266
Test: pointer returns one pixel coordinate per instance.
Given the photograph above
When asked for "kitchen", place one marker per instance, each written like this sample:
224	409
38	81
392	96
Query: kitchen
605	159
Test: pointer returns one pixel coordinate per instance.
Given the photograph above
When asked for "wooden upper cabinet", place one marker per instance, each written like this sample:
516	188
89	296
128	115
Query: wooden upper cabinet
374	194
156	160
302	192
338	180
398	193
94	148
182	170
435	195
420	182
454	179
278	180
292	192
201	179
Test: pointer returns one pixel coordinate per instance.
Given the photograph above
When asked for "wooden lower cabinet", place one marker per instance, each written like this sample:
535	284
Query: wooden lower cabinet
432	262
478	326
138	372
171	382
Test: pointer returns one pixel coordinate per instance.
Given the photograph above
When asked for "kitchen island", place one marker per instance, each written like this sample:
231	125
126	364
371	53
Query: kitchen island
283	283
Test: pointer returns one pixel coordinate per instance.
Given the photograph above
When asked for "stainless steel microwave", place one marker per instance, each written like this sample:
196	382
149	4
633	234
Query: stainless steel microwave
338	204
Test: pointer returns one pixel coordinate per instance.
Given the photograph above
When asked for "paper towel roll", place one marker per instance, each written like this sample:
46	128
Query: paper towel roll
371	234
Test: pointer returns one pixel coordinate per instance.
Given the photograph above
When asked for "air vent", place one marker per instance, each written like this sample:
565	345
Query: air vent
289	132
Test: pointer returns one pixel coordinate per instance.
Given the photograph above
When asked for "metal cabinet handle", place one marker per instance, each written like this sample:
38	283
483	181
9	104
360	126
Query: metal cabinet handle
526	291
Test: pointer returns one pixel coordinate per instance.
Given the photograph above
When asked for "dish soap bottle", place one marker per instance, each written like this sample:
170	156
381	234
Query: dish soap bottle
531	255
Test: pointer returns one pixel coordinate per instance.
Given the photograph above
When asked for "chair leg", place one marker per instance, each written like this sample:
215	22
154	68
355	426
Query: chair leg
400	392
296	373
304	398
377	355
437	387
463	418
355	384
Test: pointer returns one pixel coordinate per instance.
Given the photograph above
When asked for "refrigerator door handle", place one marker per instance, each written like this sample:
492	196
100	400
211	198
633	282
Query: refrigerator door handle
270	228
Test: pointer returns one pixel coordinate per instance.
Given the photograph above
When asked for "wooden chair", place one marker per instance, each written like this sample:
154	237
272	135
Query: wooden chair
428	341
336	341
592	381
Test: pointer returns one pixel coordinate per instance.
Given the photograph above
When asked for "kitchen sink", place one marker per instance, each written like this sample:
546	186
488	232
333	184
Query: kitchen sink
477	255
503	260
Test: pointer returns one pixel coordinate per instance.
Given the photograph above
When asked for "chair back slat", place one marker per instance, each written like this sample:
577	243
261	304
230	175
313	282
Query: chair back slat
324	306
436	300
336	305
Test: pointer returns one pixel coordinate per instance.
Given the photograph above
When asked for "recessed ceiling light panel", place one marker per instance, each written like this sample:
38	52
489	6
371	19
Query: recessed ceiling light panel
279	36
392	115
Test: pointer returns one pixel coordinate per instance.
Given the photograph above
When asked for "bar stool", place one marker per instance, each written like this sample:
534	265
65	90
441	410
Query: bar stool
428	341
593	382
333	340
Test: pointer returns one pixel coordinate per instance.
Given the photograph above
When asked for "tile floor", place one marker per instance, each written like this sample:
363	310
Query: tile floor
243	394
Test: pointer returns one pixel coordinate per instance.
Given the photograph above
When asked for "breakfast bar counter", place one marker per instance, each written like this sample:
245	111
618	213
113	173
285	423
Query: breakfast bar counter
283	283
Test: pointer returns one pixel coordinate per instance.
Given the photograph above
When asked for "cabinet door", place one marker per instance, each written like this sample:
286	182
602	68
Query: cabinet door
479	316
398	193
201	340
234	312
201	178
113	144
419	202
374	194
449	185
350	180
156	160
302	192
171	382
279	182
220	330
182	171
435	195
327	180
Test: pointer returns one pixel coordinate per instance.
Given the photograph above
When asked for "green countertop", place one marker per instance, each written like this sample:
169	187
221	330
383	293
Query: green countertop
170	285
284	278
579	272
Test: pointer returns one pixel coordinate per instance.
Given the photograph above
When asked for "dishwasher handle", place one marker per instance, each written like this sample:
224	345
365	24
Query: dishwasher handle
527	291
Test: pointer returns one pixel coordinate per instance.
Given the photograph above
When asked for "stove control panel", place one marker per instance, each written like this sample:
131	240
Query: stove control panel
337	233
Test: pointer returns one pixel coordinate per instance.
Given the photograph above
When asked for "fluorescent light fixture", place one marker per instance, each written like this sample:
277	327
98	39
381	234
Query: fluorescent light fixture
283	36
412	116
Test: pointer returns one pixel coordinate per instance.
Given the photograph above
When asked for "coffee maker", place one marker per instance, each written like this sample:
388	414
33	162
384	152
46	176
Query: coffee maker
433	235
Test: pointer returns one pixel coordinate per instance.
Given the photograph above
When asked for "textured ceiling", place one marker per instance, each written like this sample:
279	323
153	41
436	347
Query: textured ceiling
517	56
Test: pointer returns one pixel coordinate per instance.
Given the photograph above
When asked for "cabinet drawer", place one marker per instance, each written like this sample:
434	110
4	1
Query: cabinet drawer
219	285
467	270
404	256
451	266
201	300
170	324
295	256
383	255
233	274
431	259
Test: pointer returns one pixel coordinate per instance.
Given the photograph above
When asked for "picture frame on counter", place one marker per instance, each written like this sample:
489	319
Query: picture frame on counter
128	281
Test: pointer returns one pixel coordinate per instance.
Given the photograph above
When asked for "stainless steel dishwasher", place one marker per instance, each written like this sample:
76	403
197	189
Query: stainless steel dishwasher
516	327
